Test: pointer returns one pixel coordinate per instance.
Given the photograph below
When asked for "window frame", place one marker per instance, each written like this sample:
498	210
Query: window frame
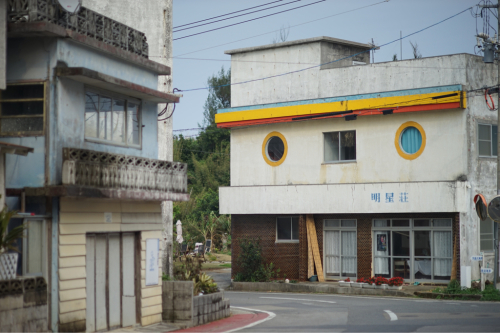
340	147
291	240
491	140
43	116
341	229
411	228
113	95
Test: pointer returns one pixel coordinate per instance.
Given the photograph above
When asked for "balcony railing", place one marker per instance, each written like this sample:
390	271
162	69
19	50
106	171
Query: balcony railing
85	22
121	172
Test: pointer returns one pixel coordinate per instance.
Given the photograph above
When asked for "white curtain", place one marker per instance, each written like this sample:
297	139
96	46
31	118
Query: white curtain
349	251
442	248
381	264
332	255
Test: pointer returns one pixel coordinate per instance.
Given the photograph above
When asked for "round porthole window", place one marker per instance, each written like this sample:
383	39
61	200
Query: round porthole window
410	140
274	149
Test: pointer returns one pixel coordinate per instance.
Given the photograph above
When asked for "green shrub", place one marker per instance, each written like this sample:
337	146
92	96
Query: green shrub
211	257
251	263
166	277
205	284
187	270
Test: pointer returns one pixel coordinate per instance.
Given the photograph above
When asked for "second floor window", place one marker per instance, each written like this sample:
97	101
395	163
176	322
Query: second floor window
487	139
340	146
112	118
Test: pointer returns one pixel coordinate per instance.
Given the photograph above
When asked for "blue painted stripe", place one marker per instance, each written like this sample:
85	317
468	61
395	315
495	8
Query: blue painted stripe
420	91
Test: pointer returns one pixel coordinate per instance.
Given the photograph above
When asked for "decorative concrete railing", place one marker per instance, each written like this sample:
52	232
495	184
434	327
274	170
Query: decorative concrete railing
85	22
90	168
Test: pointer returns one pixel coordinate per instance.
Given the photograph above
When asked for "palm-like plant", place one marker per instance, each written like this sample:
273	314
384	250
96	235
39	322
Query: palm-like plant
8	239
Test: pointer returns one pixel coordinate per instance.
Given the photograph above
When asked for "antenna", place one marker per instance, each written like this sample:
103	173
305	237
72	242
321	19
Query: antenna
71	6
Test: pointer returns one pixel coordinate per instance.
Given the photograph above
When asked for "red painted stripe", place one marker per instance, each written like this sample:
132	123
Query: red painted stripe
227	324
368	112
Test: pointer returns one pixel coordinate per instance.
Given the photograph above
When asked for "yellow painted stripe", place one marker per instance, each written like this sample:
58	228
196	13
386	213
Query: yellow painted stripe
362	104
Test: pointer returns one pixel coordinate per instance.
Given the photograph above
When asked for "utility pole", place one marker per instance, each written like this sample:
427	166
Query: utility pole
492	45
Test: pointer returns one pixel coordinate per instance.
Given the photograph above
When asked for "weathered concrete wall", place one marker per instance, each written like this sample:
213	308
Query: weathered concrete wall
154	18
23	305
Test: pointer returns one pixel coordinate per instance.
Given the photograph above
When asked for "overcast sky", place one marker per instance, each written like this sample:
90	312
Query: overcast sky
382	22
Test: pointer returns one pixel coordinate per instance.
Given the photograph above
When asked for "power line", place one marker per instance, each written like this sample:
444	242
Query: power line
293	26
351	56
211	18
257	18
228	18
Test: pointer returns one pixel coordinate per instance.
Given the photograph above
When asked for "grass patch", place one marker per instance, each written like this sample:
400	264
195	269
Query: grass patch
225	265
490	293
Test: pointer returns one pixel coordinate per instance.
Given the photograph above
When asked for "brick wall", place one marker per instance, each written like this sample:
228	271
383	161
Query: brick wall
291	258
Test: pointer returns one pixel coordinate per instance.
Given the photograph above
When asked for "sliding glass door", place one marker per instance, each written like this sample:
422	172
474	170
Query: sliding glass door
340	248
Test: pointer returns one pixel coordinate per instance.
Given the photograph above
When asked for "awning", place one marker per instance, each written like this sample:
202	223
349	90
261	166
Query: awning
9	148
100	80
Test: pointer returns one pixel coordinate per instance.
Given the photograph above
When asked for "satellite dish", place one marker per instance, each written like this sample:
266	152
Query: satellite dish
71	6
481	210
494	209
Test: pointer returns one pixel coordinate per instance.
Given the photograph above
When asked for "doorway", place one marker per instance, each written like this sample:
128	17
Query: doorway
111	299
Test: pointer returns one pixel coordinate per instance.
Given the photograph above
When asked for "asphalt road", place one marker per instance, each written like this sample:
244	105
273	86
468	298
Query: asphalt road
337	313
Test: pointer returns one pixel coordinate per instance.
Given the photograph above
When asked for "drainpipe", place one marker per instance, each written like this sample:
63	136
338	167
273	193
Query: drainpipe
54	276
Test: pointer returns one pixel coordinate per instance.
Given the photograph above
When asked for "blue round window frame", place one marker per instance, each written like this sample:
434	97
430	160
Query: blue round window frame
411	140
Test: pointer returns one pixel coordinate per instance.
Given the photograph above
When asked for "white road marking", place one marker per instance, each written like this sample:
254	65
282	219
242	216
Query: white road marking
299	299
392	315
271	316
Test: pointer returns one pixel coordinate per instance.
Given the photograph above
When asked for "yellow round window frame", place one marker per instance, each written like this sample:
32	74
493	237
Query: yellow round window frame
264	146
397	140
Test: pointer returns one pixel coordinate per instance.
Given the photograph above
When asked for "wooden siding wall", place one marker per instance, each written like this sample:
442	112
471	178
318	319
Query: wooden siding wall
79	217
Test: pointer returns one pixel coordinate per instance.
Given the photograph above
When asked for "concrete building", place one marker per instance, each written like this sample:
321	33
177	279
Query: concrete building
385	158
82	91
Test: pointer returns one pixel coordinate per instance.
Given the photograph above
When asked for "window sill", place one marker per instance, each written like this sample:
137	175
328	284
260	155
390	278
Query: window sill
487	156
339	162
111	143
287	241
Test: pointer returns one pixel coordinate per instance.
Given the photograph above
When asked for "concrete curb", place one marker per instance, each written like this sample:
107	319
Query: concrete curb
447	296
314	288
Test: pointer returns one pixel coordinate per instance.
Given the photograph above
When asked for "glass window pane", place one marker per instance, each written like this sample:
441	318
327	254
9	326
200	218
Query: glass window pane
118	127
402	267
331	146
401	243
105	118
295	228
35	247
349	245
443	246
332	243
133	124
349	266
382	266
400	223
484	132
284	228
348	145
22	124
441	223
275	149
348	223
494	140
422	268
91	115
422	243
332	223
421	223
484	148
442	269
381	223
411	140
23	91
22	108
486	235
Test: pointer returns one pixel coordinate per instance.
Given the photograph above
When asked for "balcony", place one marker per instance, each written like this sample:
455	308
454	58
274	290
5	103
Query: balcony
86	22
92	174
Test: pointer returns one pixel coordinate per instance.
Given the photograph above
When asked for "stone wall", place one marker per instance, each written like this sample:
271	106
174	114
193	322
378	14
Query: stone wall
179	304
23	305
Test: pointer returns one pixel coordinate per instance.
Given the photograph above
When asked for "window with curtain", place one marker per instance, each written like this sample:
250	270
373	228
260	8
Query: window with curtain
340	248
411	140
487	139
112	118
340	146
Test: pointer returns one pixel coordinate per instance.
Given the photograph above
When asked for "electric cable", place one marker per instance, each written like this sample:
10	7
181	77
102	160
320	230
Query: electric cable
228	18
238	11
162	112
274	31
256	18
330	62
490	107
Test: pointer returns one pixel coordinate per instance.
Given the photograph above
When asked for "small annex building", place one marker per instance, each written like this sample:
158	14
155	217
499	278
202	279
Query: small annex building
383	158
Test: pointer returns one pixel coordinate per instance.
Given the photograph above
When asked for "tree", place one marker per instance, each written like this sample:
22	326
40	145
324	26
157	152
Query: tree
416	52
282	36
